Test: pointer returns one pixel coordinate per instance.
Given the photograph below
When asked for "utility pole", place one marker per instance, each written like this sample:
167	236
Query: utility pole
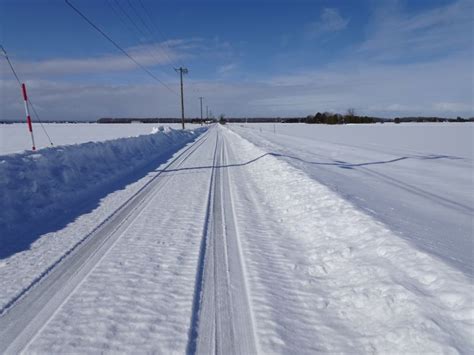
207	112
200	99
182	71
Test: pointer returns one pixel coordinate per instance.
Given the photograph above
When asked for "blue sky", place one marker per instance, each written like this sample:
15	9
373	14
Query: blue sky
247	58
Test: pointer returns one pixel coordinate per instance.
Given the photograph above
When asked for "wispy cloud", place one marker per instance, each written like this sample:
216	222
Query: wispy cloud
329	21
409	64
60	100
398	35
453	107
152	55
226	69
384	90
148	55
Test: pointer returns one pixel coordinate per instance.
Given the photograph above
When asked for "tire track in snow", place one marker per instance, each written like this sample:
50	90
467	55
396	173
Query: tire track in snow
23	317
222	319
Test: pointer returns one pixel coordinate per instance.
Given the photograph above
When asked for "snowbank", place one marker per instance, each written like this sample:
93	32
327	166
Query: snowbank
14	138
34	185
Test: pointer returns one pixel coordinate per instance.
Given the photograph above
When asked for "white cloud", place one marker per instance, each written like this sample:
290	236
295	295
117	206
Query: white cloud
397	35
329	21
453	107
61	100
226	69
440	85
149	55
385	90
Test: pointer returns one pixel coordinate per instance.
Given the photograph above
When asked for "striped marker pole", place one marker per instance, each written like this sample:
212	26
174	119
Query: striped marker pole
28	118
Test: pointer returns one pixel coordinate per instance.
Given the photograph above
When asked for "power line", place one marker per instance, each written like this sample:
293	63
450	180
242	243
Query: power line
118	47
29	102
130	4
129	29
160	33
39	120
129	18
120	15
148	29
156	32
109	2
137	27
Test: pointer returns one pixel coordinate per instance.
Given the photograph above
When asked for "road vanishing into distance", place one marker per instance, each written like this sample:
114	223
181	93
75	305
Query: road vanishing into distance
226	249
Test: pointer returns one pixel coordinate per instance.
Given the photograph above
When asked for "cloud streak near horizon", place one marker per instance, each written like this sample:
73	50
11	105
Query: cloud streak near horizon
406	64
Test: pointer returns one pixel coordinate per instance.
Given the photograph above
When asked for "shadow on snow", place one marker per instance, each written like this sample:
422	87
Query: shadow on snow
19	238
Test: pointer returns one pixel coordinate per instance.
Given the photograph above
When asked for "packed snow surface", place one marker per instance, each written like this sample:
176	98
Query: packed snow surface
236	240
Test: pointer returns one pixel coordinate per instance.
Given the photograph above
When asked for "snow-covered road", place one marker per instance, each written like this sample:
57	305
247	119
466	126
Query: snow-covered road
227	249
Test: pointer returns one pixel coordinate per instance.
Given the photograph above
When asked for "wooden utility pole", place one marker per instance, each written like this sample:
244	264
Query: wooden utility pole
182	71
200	99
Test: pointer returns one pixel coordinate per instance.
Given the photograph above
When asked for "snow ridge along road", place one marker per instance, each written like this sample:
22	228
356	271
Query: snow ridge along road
224	322
25	314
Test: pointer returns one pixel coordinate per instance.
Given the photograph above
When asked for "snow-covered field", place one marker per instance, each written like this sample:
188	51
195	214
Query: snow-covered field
16	138
416	178
348	239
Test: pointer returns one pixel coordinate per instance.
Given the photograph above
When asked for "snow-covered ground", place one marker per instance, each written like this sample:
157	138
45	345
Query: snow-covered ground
42	193
415	178
229	246
15	137
34	184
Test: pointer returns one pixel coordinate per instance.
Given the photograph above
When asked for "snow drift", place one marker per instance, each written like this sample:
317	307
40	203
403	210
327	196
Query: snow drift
34	185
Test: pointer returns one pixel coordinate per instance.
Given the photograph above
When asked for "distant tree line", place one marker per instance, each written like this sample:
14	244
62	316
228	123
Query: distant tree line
431	119
352	118
140	120
336	118
318	118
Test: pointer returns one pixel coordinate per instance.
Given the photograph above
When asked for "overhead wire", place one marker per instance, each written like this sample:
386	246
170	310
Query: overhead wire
158	32
152	35
140	31
129	18
119	47
28	101
123	19
119	16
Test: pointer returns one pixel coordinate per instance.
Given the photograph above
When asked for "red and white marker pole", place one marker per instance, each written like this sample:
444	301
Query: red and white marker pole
28	118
